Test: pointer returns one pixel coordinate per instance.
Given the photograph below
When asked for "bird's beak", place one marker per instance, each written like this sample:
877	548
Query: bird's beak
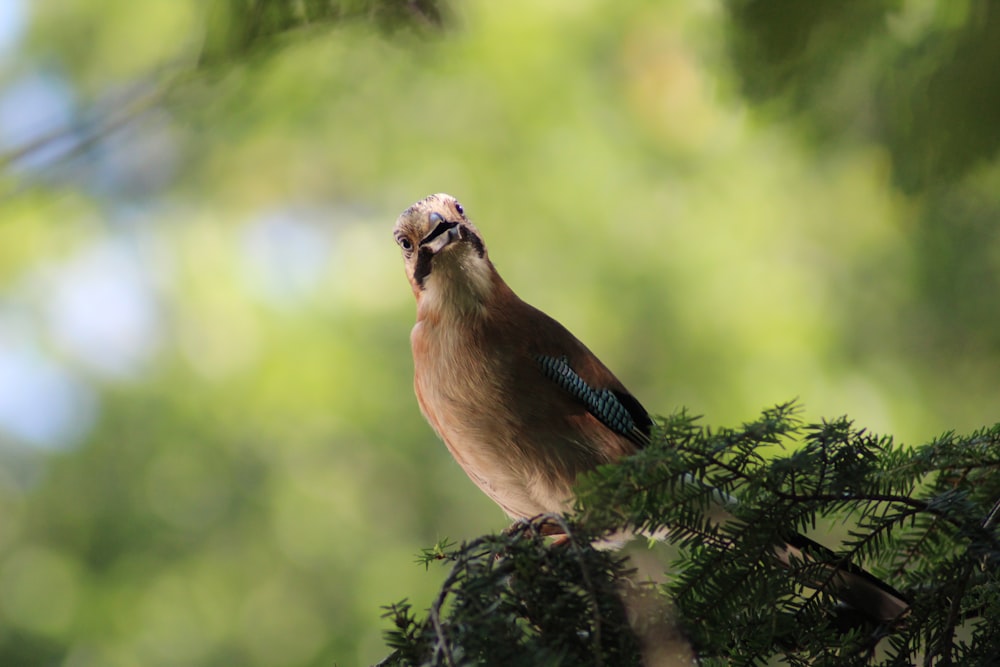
443	234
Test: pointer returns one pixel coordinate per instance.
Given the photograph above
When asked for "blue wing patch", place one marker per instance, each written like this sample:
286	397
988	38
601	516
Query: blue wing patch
605	404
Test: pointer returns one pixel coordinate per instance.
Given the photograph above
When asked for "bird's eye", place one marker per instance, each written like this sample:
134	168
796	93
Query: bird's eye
405	243
458	207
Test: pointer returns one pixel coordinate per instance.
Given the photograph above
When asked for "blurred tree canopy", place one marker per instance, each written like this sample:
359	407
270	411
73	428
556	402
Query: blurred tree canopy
209	449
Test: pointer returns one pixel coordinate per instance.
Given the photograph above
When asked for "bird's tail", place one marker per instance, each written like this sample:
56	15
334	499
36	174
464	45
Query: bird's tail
862	592
869	597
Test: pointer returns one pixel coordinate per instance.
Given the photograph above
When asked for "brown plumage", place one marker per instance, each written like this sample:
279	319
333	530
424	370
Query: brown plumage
522	405
518	436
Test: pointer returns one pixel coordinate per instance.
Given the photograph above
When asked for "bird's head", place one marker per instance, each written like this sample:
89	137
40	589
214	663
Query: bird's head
446	260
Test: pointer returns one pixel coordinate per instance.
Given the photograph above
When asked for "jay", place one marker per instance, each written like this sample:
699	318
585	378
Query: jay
522	405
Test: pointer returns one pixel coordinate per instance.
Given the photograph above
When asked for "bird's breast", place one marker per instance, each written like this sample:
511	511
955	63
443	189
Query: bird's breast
455	379
468	389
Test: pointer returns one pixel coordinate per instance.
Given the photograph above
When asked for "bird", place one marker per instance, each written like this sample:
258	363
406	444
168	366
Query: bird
521	404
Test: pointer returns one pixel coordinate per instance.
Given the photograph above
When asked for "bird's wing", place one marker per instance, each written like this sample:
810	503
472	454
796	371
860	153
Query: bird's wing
613	406
575	370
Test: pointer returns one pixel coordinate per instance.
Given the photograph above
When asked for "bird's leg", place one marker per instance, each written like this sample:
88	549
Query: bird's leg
546	525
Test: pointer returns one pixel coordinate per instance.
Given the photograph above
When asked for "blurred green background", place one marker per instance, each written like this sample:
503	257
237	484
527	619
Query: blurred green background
210	453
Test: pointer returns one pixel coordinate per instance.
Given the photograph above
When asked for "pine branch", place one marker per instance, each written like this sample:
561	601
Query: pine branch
925	517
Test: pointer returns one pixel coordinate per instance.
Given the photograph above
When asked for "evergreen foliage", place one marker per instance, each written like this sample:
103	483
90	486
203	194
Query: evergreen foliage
923	519
210	452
